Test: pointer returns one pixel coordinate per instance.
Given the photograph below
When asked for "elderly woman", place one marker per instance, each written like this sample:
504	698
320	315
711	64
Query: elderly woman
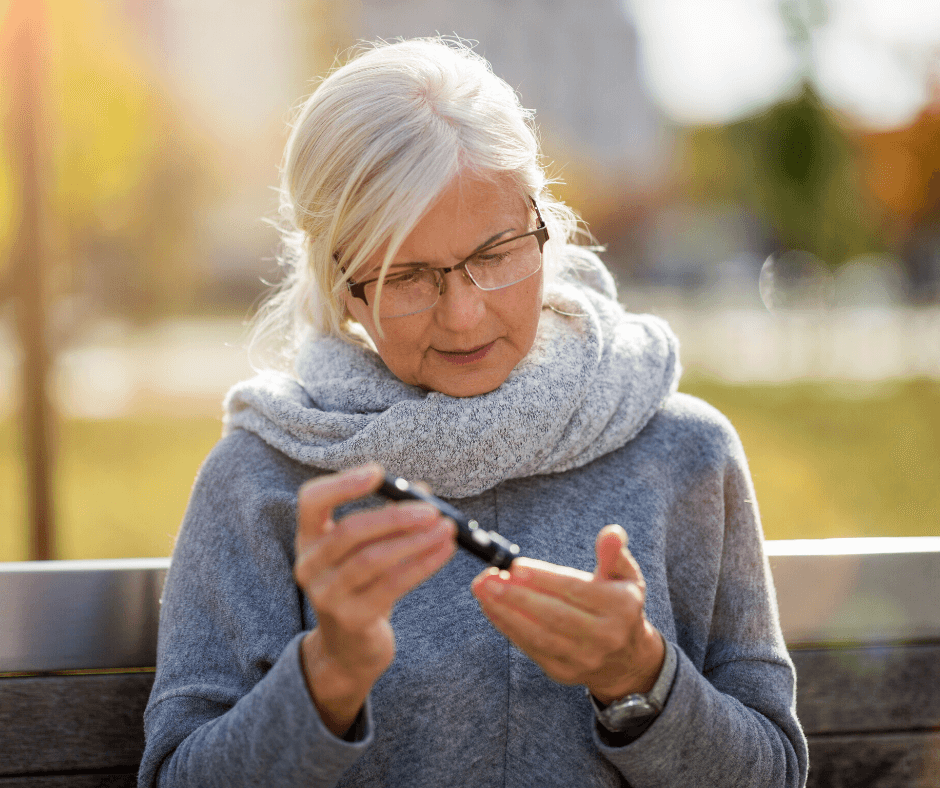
441	325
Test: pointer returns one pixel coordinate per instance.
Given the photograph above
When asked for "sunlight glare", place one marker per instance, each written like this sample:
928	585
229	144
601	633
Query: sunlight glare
715	62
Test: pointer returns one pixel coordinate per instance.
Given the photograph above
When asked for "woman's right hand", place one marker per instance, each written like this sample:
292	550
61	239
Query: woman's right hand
353	571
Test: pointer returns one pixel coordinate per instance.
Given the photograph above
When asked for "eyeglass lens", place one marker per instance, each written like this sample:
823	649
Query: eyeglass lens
499	266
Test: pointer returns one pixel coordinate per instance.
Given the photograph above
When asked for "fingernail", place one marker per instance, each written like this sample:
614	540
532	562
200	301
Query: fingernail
497	588
449	525
626	536
521	572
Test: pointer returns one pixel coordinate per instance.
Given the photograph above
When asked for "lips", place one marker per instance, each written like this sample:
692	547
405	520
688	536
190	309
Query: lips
466	356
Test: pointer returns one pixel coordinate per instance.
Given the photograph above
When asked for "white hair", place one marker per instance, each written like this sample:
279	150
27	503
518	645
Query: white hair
370	152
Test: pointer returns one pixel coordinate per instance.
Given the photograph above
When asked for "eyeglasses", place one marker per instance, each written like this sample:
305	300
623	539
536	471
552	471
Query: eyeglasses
493	267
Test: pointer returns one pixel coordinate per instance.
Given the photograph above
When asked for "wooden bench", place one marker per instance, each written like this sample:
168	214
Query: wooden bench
77	642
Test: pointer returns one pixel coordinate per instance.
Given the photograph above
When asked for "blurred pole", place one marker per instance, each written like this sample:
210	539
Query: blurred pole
22	73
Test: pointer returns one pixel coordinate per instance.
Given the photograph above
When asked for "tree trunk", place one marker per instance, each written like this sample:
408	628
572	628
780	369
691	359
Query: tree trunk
24	59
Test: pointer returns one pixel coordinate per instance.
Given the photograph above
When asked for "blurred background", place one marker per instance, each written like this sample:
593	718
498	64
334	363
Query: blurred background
764	173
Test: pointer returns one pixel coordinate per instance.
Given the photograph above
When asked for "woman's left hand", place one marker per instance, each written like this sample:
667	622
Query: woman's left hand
580	628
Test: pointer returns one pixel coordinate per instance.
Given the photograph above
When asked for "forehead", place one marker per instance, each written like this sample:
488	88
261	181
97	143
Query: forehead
469	213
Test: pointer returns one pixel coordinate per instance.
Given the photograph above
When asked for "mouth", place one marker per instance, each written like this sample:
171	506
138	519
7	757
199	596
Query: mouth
466	356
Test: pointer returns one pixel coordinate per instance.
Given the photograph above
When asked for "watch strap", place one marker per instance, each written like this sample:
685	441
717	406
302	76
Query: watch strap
639	710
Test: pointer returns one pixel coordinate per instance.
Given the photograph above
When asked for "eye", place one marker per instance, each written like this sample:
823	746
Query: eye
495	256
408	278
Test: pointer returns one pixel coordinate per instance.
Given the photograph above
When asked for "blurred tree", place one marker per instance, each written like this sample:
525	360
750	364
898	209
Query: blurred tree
614	202
796	168
128	176
902	170
23	69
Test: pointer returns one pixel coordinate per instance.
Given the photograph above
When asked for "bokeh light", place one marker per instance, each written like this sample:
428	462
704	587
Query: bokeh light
796	281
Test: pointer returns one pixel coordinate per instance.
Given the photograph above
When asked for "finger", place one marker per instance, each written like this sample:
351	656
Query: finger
519	627
614	560
596	596
321	560
557	615
317	498
359	530
579	632
550	650
610	541
384	561
378	584
572	585
569	644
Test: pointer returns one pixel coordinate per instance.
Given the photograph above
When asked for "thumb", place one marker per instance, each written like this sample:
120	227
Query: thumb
613	560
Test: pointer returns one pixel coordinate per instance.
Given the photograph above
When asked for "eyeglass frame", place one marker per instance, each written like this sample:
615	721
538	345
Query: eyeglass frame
358	289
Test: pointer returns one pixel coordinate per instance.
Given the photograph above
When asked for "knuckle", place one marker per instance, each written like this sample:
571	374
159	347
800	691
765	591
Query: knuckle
613	639
540	643
370	563
343	529
347	617
566	673
631	602
591	661
385	582
305	574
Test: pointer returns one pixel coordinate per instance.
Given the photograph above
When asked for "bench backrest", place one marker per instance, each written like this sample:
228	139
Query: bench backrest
862	619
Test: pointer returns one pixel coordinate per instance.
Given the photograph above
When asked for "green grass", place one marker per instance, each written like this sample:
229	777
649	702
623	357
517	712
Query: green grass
120	487
827	460
839	460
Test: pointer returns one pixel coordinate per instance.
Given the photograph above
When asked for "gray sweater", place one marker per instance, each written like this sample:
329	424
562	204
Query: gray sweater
586	431
461	706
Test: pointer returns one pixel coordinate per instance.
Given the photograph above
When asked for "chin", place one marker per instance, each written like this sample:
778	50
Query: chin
463	392
471	386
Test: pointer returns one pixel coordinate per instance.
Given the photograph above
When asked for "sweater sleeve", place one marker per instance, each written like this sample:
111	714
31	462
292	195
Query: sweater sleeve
229	705
730	719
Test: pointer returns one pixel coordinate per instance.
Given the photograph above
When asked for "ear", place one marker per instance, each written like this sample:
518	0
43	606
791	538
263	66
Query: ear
351	306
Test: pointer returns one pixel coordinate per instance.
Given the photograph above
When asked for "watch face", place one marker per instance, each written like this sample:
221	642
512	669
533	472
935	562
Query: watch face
631	708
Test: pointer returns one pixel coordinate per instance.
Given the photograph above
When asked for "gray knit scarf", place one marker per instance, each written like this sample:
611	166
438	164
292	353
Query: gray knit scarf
587	387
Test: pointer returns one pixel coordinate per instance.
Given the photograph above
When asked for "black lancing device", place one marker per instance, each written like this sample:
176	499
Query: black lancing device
488	546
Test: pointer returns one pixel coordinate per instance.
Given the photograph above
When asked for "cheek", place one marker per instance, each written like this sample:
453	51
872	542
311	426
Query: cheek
402	351
530	312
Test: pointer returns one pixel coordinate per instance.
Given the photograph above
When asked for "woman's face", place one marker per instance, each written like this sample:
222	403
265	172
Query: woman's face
469	342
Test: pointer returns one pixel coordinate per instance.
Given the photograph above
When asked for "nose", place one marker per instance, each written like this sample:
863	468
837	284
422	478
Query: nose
462	304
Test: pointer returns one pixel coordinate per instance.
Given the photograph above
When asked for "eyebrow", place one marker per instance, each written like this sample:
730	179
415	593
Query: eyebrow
488	242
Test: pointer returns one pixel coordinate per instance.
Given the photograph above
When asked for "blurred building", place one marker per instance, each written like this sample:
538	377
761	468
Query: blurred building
575	63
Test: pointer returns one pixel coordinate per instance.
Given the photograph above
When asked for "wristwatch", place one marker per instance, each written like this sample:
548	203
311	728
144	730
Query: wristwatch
634	713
